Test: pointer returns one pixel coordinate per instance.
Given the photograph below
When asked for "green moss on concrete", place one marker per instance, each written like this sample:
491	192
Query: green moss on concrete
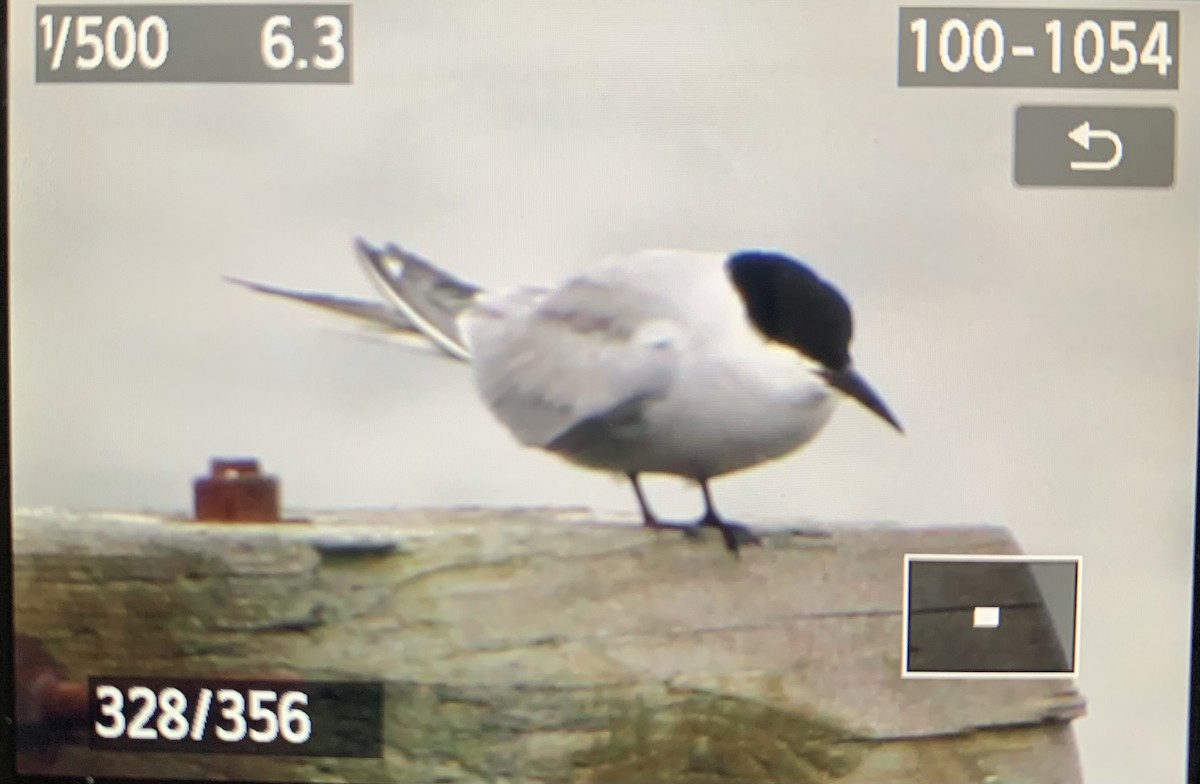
704	739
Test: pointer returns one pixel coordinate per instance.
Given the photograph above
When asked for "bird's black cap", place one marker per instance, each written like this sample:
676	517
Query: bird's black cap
789	304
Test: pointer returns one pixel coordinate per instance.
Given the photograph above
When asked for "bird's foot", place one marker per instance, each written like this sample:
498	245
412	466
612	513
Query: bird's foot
809	533
662	525
734	535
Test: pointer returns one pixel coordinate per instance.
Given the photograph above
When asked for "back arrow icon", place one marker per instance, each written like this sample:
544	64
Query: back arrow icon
1083	135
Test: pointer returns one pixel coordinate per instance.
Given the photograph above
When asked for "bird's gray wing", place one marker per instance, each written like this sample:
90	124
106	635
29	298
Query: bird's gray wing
548	362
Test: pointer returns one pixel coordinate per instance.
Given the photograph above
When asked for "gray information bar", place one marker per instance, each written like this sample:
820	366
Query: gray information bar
1038	47
1094	146
193	43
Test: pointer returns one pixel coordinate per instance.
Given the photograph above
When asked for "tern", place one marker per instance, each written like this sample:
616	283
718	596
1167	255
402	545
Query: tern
655	362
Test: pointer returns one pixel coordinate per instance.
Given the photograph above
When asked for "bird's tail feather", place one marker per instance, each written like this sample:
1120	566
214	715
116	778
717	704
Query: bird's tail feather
378	321
429	299
376	315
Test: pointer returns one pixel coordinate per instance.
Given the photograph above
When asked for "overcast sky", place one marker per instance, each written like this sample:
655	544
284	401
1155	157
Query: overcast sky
1040	346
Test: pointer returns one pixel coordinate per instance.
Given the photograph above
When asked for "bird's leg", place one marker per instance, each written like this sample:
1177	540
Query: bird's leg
648	518
734	535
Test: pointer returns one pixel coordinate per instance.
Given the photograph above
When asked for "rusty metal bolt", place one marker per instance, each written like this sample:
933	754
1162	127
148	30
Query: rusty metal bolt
235	491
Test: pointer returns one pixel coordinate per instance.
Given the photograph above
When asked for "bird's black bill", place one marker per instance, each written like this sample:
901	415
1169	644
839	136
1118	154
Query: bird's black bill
856	386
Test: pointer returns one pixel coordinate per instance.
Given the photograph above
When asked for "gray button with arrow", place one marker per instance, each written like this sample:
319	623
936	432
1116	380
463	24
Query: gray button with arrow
1094	146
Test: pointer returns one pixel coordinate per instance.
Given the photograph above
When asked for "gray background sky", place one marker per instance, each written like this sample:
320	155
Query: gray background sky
1040	346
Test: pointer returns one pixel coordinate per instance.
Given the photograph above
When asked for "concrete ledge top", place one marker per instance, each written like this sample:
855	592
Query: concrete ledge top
539	598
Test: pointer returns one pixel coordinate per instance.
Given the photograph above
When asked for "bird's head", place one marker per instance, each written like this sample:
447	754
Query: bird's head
788	304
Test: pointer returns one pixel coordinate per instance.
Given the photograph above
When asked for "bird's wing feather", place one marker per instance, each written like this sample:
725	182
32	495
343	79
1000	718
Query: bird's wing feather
547	361
428	296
